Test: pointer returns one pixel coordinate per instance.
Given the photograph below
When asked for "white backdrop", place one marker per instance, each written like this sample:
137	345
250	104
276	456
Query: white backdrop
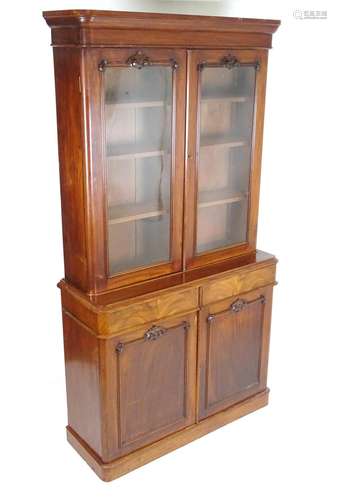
284	451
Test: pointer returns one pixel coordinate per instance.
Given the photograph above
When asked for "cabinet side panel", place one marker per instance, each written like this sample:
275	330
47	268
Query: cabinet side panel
67	64
83	384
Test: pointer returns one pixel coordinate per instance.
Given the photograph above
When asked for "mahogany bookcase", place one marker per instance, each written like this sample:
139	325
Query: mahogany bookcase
166	301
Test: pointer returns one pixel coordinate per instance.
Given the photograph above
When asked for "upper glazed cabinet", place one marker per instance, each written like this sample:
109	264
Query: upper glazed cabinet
141	112
170	145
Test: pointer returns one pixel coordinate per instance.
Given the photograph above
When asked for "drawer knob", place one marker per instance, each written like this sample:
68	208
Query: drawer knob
241	304
120	347
155	332
238	305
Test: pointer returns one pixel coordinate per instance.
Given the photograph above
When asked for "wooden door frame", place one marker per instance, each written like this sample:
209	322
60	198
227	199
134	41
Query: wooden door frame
196	57
111	407
203	336
95	188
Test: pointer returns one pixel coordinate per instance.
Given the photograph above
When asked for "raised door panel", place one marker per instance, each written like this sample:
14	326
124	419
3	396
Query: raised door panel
225	115
137	120
233	350
151	384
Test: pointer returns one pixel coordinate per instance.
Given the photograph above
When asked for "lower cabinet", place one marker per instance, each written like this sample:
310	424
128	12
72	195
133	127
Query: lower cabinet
150	383
144	375
152	375
233	350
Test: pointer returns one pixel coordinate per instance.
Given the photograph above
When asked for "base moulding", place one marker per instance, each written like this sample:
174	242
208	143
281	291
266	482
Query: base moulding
123	465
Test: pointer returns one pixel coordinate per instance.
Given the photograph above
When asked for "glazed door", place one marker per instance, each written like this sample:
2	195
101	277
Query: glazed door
225	116
233	350
138	151
151	383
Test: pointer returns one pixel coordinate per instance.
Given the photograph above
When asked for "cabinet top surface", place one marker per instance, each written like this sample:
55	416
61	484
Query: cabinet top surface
129	20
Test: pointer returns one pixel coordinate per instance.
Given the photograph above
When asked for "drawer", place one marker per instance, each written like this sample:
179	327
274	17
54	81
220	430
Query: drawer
126	317
240	282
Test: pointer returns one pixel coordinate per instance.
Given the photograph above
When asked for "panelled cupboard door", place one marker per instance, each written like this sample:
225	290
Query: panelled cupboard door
136	100
226	92
233	350
151	384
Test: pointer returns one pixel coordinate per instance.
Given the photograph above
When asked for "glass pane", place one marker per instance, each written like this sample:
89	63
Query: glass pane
138	121
225	139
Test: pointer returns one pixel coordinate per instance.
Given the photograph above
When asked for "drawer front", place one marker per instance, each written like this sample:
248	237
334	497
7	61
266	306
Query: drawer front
150	389
153	309
233	350
241	282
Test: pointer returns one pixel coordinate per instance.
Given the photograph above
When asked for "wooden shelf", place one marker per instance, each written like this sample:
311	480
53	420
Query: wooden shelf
136	211
131	151
137	104
160	103
134	151
220	197
220	142
221	98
